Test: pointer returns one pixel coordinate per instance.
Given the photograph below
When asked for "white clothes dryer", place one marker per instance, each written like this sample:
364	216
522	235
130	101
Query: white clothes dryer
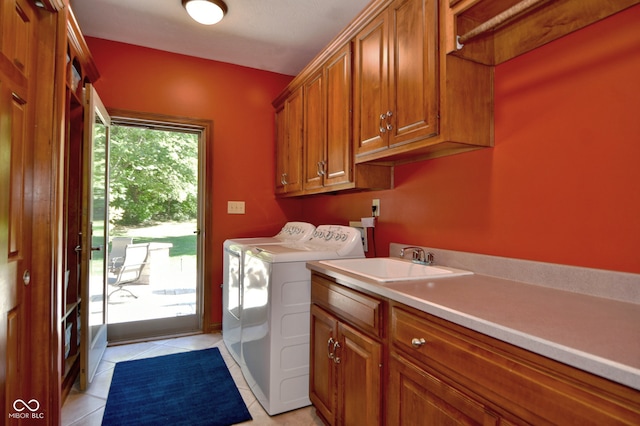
233	276
276	314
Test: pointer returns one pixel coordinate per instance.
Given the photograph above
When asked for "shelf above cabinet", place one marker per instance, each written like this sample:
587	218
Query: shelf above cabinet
494	31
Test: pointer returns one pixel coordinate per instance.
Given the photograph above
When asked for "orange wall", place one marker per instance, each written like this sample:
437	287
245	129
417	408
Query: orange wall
562	183
238	101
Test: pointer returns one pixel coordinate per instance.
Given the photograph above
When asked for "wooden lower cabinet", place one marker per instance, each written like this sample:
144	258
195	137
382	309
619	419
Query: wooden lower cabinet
480	380
346	372
421	398
376	361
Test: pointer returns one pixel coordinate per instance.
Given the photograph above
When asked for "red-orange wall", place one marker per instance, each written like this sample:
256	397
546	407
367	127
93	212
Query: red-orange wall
238	101
562	183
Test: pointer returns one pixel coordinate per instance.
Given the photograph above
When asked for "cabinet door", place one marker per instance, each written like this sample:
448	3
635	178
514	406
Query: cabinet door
314	131
370	86
322	372
413	81
289	119
293	175
419	398
359	361
339	149
281	148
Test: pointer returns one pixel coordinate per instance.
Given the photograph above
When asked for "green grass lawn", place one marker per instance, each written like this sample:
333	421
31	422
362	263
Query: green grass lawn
181	235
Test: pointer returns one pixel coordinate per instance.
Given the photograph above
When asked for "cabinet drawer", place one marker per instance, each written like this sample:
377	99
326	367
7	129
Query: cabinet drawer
532	387
358	309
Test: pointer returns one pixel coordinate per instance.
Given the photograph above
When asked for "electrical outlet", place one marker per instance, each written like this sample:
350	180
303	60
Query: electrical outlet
235	207
376	203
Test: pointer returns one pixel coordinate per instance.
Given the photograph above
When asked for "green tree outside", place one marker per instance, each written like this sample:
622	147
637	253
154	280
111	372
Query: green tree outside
154	176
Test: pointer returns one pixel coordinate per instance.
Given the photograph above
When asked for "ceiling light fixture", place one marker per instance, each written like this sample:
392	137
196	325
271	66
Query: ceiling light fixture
207	12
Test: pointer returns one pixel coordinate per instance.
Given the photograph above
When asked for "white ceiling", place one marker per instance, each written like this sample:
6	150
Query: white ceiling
274	35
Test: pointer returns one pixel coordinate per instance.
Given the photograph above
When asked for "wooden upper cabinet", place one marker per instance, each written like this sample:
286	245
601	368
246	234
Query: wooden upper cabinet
413	71
314	131
370	86
289	120
327	124
396	75
339	152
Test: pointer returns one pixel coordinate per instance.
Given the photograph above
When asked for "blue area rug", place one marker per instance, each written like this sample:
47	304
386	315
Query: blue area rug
191	388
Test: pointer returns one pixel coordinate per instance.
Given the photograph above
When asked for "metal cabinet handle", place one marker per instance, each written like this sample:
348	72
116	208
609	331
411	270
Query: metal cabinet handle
330	343
388	126
284	179
382	126
418	342
336	359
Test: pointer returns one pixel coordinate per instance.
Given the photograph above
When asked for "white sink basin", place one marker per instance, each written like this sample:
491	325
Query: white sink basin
386	269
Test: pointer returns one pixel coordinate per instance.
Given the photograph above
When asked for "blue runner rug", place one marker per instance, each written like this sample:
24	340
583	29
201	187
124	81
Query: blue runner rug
191	388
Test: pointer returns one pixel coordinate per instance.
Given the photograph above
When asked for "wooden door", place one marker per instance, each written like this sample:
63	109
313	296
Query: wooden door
413	82
370	86
17	58
322	374
359	361
339	149
314	131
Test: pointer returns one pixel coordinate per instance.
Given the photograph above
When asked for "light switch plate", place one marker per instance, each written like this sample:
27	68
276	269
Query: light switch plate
235	207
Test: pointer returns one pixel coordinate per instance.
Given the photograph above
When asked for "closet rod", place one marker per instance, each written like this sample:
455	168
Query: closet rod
498	20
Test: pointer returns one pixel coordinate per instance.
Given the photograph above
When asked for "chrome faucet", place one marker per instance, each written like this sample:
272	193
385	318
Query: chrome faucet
418	255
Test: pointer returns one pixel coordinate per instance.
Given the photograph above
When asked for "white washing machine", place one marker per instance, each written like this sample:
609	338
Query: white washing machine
275	326
233	273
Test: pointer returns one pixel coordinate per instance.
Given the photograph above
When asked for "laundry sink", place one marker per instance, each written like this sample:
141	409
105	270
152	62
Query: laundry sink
387	269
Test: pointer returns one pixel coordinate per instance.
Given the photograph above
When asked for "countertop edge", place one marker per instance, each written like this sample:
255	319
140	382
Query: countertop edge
606	368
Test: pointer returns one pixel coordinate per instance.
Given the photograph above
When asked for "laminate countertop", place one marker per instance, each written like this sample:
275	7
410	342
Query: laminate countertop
595	334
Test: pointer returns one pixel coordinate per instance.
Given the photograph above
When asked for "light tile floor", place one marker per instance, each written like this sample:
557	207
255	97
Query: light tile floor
87	408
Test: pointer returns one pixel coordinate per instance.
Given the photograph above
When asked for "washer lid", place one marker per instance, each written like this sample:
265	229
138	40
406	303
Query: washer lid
328	242
291	231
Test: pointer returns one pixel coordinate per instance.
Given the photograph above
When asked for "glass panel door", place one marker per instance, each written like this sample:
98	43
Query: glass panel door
94	236
155	176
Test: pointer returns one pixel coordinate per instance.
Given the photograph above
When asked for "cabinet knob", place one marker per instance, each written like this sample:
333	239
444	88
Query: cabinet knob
418	342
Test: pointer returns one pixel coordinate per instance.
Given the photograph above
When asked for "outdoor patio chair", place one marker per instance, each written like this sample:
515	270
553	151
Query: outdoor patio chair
135	259
116	255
